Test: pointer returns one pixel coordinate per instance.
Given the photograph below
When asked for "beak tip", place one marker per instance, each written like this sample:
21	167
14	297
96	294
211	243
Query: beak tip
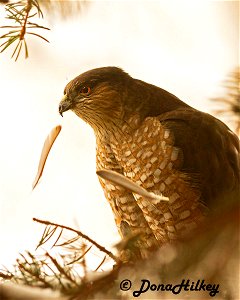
64	105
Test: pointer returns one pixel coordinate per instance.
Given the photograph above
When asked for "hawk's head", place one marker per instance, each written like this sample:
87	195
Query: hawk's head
97	96
108	96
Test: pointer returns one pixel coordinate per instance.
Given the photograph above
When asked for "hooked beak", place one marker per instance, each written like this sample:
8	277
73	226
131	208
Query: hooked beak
64	105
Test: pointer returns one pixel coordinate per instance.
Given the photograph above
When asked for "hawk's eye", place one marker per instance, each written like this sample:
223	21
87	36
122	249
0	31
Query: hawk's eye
85	90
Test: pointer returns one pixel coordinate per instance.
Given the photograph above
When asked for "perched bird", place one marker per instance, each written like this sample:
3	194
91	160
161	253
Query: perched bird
162	144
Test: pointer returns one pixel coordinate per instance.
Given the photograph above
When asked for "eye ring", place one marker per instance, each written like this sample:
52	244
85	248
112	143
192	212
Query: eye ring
85	90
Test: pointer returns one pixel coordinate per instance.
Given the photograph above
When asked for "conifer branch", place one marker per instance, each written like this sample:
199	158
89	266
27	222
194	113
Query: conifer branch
20	14
101	248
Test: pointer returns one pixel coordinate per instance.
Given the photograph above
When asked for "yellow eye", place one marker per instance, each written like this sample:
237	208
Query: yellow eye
85	90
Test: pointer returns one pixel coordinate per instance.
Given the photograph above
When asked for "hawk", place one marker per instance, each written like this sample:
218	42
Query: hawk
162	144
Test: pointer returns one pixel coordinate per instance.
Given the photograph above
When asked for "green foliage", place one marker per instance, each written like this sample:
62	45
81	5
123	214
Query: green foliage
21	14
63	266
209	254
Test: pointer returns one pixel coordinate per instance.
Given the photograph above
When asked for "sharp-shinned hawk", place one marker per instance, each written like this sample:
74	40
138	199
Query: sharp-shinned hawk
161	143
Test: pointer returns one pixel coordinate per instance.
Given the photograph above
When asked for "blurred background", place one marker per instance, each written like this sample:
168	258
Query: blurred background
185	47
